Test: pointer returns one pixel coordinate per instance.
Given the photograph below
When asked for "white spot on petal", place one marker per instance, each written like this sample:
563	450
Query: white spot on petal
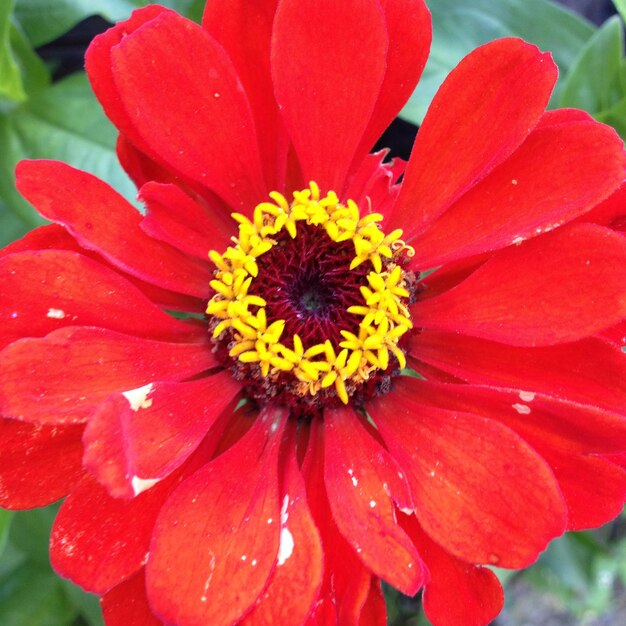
513	181
527	396
355	481
207	583
56	314
285	549
138	398
284	516
522	409
142	484
372	504
517	240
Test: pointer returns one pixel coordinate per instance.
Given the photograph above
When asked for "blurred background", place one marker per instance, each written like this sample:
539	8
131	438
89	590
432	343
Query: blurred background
48	111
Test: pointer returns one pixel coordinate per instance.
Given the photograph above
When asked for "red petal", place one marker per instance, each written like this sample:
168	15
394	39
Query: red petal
582	162
324	613
537	417
458	592
565	434
55	237
46	290
175	218
327	85
213	548
50	236
360	479
482	113
616	334
374	611
100	219
502	504
607	213
195	117
410	33
98	541
297	578
590	371
244	29
127	604
98	66
594	489
64	376
133	441
524	294
346	581
38	464
374	181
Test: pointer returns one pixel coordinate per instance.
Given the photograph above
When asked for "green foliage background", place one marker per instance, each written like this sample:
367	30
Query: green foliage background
62	120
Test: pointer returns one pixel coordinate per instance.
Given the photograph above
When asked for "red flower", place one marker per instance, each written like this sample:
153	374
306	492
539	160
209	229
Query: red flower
271	462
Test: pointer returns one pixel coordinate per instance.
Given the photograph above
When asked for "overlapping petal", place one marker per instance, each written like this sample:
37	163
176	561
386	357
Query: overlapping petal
136	438
501	501
218	537
46	290
38	464
590	371
67	196
535	190
477	596
199	508
296	581
127	604
522	296
98	541
573	438
95	363
208	112
362	482
244	29
325	85
174	217
409	33
481	114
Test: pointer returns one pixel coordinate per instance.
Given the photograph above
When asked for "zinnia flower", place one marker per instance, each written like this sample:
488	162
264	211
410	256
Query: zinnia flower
332	412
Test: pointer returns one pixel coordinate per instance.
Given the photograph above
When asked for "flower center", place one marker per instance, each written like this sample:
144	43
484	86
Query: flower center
310	304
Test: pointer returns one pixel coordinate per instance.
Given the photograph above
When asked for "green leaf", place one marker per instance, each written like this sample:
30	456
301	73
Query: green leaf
615	116
34	73
44	20
87	604
620	5
30	533
34	596
11	87
459	27
594	83
63	122
5	526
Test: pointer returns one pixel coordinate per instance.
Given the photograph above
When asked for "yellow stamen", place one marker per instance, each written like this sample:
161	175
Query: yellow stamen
322	366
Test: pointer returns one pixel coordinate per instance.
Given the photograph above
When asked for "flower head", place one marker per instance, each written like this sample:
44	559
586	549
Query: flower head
387	371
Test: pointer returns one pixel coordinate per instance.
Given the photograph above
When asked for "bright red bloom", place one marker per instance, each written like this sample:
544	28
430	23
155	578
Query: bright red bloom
188	506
